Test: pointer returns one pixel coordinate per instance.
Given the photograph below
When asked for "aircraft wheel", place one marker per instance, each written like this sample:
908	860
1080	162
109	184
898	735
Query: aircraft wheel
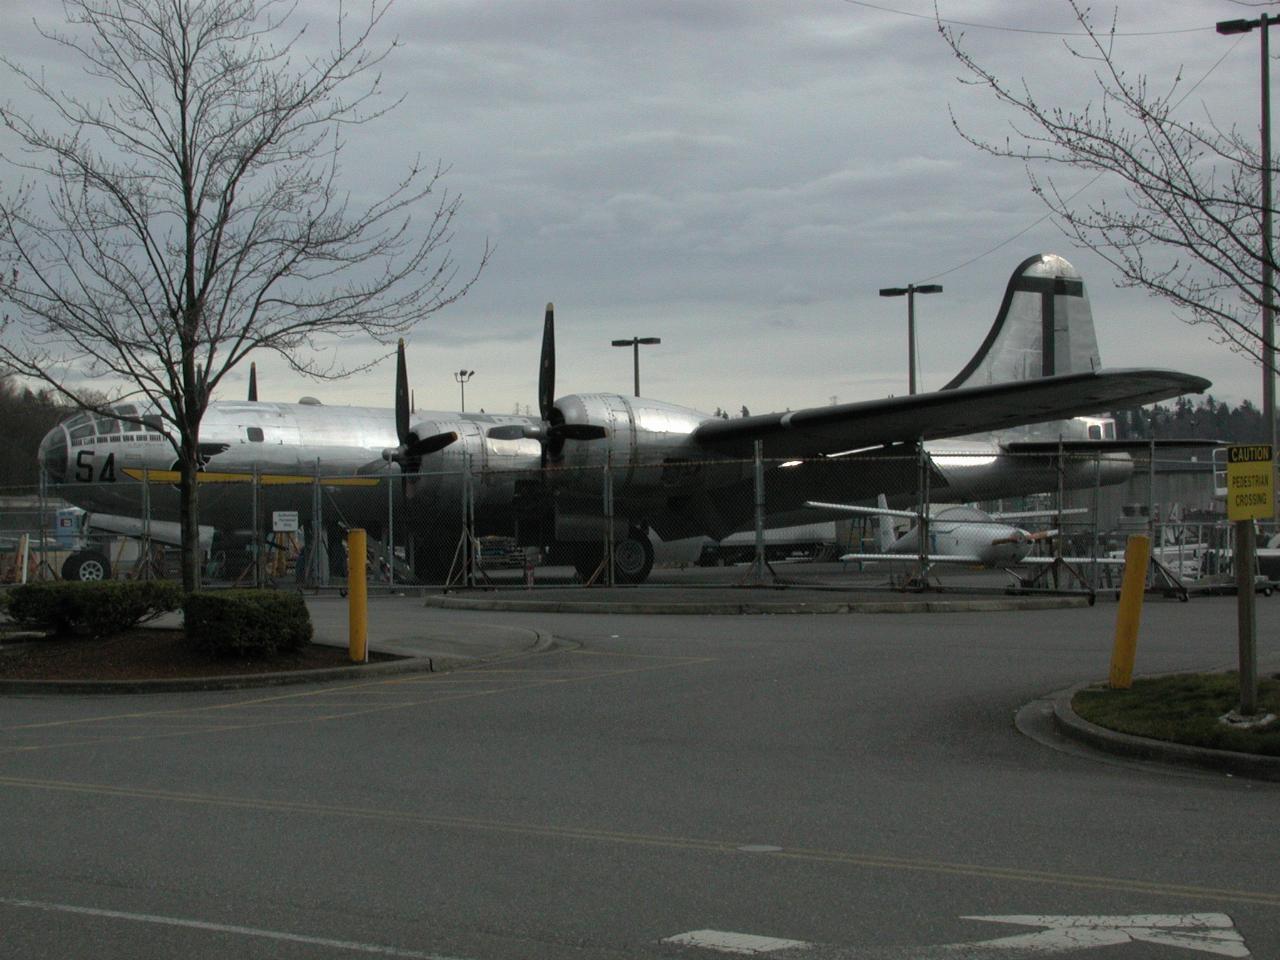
86	566
632	558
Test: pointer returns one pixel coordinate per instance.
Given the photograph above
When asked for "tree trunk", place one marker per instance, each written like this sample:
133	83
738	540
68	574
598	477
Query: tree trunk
189	510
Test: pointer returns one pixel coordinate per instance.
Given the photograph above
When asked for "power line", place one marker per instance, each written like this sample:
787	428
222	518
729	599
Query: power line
1003	29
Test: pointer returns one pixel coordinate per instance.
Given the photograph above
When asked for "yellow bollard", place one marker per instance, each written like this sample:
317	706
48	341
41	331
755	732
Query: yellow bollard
1137	554
357	598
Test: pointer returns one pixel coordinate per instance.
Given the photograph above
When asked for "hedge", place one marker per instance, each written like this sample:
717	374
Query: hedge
93	609
247	623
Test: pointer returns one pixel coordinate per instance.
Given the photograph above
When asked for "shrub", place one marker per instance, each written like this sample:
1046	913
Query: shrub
92	609
247	623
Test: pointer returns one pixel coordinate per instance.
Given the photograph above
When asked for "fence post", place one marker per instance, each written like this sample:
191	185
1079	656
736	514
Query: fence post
1095	580
257	531
608	519
468	523
390	538
759	485
1151	510
43	494
318	559
922	499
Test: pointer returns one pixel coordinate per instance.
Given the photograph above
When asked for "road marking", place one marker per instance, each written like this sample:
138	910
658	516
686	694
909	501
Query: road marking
1212	933
1202	932
371	948
727	942
667	841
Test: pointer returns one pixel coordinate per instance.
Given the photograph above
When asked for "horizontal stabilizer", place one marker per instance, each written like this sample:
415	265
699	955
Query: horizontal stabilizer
865	511
1103	446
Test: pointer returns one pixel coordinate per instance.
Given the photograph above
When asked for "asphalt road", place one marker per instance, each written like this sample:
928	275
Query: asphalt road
851	782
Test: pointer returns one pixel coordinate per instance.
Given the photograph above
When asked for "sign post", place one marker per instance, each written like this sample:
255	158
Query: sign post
1250	497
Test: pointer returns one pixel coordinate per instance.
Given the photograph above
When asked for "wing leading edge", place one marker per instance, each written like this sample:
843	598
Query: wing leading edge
945	413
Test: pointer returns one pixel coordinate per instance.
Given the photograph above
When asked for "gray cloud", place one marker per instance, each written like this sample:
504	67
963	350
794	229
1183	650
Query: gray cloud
738	177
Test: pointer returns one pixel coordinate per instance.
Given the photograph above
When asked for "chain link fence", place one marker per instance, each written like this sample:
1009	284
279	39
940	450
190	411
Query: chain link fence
560	525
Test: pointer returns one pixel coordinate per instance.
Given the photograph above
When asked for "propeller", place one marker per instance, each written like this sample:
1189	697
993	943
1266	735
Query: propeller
412	448
1022	536
253	382
551	431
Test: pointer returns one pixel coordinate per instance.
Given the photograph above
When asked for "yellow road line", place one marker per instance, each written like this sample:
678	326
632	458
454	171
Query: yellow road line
217	713
626	838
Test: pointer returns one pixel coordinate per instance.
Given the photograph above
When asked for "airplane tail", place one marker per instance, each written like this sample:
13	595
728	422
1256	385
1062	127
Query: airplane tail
884	525
1044	327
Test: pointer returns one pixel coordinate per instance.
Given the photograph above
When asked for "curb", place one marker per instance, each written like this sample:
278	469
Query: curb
1070	724
408	665
732	607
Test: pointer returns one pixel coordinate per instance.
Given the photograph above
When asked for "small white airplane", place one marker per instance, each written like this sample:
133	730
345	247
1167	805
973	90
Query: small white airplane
1034	386
957	534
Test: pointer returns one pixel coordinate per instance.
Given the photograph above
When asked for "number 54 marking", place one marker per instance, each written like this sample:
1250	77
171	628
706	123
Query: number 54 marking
84	468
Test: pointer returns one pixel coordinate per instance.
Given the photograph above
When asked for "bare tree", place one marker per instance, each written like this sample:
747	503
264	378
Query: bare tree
192	213
1190	229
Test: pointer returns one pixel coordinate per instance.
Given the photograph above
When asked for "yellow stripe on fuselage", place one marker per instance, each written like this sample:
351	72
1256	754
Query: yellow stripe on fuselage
266	479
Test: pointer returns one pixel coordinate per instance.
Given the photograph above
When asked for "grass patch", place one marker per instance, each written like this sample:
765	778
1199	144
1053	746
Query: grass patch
1184	708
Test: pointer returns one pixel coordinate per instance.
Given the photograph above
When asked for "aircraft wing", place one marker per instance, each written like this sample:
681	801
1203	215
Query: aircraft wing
967	558
866	511
1046	561
944	413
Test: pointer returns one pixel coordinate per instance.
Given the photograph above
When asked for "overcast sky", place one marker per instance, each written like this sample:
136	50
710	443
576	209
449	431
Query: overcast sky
739	178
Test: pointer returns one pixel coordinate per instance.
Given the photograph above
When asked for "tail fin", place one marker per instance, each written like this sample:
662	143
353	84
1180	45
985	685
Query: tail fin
884	525
1044	327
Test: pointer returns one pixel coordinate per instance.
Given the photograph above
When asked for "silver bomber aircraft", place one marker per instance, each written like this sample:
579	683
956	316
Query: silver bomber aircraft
676	472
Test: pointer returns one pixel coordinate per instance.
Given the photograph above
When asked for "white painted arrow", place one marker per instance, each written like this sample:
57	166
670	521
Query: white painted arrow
1202	932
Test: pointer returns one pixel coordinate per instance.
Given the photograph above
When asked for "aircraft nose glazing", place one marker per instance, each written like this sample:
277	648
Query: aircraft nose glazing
55	455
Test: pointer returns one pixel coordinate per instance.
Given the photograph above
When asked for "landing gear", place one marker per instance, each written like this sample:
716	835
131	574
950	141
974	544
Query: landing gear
86	566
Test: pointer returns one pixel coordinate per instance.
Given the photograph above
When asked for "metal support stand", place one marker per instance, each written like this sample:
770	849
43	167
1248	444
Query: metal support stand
462	569
919	580
44	571
148	566
760	563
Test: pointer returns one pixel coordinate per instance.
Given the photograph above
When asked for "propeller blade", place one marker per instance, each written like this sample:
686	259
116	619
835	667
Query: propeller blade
416	449
253	382
402	396
578	431
1044	535
547	368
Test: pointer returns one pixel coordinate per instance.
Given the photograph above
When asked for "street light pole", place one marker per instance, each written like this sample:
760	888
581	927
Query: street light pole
635	343
910	291
1227	27
1246	626
462	376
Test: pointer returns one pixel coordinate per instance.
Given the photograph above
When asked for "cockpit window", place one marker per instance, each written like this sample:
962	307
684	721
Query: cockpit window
1095	431
126	410
82	430
107	426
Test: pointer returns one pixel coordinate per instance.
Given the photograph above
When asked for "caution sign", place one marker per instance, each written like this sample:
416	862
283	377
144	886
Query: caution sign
1250	489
